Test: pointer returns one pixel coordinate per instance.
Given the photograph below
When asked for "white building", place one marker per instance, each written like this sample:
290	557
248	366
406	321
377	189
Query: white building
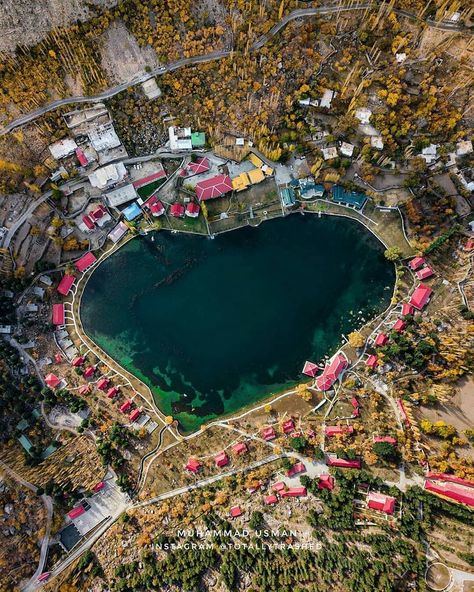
121	195
103	137
63	148
327	98
151	89
329	153
376	142
347	149
363	114
107	175
180	138
430	153
464	147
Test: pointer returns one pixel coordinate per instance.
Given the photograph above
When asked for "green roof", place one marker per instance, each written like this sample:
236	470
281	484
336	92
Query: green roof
198	139
288	196
25	443
22	425
351	198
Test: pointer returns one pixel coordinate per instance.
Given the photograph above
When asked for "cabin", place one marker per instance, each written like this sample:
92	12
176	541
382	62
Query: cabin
424	273
295	492
58	314
103	383
112	392
388	439
65	284
268	433
134	415
235	512
177	210
221	460
343	463
399	326
310	369
201	165
78	361
84	389
192	210
76	512
240	448
52	380
381	340
338	430
125	406
193	465
381	502
421	296
326	482
407	309
89	372
296	469
416	263
278	487
331	372
288	426
85	262
270	500
372	362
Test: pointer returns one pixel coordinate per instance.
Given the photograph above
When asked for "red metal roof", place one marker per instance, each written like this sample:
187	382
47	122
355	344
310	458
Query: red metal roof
469	245
135	414
103	383
125	406
372	361
403	411
416	263
450	478
381	339
192	209
112	392
58	314
331	372
78	361
336	430
296	469
85	261
147	180
310	369
452	491
81	157
221	459
99	487
240	448
84	389
157	208
268	433
294	492
344	463
288	426
193	465
66	284
421	296
98	213
52	380
58	358
270	500
88	222
213	187
326	482
355	403
388	439
424	273
76	512
381	502
407	309
279	486
235	512
399	325
177	210
89	371
200	166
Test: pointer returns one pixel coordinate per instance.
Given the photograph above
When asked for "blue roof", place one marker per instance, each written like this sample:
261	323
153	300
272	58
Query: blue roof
24	441
288	196
351	198
132	211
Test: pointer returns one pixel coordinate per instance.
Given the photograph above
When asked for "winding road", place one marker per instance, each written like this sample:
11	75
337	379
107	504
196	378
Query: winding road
217	55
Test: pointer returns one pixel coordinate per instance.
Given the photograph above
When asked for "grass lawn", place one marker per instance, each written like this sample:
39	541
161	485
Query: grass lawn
145	191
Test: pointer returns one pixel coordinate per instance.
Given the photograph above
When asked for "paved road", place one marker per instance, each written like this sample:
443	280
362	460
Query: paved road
216	55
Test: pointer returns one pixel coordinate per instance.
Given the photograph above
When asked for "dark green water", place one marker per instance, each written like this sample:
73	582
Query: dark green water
213	325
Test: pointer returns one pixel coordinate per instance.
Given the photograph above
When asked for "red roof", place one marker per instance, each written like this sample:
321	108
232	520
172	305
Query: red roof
381	339
240	448
177	210
81	157
84	389
235	512
221	459
85	261
213	187
326	482
310	369
192	209
407	309
76	512
103	383
147	180
88	222
98	213
279	486
58	358
288	426
294	492
66	284
388	439
452	491
403	412
331	372
112	392
424	273
399	325
416	263
450	478
296	469
200	166
135	414
343	463
421	296
268	433
52	380
193	465
58	314
381	502
372	361
157	208
124	407
270	500
99	486
469	245
78	361
336	430
89	371
355	403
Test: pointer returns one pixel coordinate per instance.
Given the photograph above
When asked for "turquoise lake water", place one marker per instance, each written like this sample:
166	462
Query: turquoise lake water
214	325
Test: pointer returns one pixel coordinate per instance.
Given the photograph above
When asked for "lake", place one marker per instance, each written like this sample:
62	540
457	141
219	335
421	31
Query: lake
214	325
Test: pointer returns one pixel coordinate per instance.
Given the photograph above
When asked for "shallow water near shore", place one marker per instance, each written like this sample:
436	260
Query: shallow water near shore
215	325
